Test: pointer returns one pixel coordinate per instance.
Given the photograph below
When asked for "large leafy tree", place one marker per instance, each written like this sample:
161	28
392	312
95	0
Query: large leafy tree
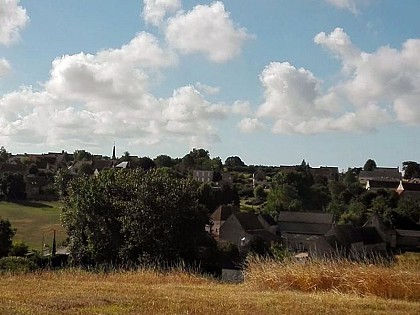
123	216
370	165
411	169
6	235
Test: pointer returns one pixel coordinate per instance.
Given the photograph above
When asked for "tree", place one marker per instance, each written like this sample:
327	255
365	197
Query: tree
4	155
163	161
370	165
12	186
146	163
125	216
82	155
411	169
6	235
234	161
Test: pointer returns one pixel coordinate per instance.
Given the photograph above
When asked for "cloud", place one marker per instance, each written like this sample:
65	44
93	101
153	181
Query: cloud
154	11
389	76
207	89
206	29
374	89
248	125
241	108
351	5
4	67
13	19
94	98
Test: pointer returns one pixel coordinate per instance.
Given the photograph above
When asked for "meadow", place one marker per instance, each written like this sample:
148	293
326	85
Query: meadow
34	221
309	289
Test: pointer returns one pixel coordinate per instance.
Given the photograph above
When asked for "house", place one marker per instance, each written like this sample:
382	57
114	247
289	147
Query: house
219	216
396	239
12	168
203	176
243	227
268	222
305	231
355	241
375	185
380	174
409	190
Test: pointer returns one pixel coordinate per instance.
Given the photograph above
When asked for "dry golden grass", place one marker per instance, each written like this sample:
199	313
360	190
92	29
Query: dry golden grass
399	281
151	292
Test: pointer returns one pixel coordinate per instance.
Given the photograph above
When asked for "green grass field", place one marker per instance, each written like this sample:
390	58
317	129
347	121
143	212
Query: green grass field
33	221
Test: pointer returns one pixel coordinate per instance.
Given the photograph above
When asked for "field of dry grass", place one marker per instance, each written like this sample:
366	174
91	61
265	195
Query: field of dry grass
150	292
400	280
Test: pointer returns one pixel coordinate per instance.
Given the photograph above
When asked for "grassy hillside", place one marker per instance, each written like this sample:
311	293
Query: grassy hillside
148	292
33	220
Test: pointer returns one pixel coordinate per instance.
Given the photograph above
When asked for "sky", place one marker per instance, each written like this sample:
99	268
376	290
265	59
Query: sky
334	82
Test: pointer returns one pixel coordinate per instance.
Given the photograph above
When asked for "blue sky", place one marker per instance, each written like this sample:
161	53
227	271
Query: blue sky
334	82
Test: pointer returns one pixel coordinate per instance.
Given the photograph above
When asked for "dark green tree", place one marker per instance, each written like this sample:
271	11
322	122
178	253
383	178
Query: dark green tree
146	163
82	155
411	169
124	216
370	165
163	161
6	235
234	161
4	155
12	186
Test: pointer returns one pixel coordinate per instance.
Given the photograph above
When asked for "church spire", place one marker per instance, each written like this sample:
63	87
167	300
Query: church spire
113	152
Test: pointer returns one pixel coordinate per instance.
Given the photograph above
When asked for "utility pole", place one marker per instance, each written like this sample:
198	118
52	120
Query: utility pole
54	245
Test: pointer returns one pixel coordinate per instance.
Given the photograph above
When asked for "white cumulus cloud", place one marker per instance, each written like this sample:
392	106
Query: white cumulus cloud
154	11
13	19
4	67
351	5
206	29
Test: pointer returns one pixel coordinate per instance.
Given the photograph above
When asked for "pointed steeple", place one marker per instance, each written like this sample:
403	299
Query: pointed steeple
113	152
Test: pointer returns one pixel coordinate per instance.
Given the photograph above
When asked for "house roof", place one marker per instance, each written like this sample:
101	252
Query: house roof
411	186
249	221
102	164
348	234
223	212
268	218
381	173
12	168
305	217
304	228
408	233
382	184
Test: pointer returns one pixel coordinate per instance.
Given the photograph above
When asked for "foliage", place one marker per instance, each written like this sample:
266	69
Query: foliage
234	161
125	216
16	264
6	235
146	163
163	161
12	186
211	197
370	165
82	155
4	155
19	249
411	169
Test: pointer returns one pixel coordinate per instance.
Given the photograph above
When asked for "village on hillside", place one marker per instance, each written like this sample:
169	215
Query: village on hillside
309	211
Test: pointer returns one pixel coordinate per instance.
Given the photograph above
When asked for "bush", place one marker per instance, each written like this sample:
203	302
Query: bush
19	249
16	264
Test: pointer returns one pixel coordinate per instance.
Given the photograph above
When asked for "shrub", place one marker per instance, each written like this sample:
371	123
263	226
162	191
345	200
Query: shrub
16	264
19	249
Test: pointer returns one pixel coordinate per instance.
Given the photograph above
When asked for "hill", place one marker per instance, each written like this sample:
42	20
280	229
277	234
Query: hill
34	222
